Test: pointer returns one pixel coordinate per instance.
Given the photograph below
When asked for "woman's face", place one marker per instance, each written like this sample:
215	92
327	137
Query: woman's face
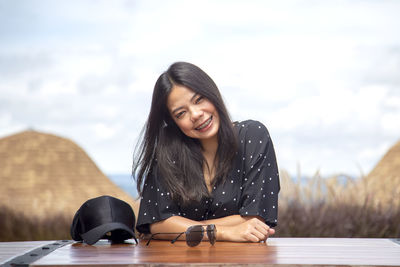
194	114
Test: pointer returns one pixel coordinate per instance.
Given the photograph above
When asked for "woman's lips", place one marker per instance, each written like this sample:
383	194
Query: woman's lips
205	124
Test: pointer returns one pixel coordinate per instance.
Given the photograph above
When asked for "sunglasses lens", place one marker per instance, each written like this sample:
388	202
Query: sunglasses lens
194	235
211	233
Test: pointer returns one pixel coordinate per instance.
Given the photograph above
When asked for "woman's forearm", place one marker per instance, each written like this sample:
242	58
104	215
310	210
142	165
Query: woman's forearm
170	228
177	224
174	224
231	220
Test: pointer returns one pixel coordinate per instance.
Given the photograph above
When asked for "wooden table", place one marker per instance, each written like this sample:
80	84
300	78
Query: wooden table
277	251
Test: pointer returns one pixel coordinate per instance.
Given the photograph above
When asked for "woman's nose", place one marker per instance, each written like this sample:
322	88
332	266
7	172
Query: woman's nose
196	114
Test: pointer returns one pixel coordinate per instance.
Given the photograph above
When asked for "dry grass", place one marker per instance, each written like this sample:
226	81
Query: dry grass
336	207
16	226
318	207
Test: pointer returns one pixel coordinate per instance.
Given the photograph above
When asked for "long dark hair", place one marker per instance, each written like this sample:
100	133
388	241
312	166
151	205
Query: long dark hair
167	151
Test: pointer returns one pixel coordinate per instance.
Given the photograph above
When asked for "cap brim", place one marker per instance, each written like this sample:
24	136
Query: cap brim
98	232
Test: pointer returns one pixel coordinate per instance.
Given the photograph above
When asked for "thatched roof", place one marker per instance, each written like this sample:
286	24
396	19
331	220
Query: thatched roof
43	174
383	182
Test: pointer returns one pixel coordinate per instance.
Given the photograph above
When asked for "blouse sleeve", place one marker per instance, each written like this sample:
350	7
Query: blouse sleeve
260	184
156	204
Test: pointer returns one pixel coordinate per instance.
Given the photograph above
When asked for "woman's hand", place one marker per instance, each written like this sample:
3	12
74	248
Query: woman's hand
251	230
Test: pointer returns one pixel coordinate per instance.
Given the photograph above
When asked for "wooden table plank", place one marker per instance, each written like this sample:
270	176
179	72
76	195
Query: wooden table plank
9	250
277	251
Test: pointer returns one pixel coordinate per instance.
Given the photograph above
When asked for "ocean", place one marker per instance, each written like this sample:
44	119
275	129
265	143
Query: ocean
125	182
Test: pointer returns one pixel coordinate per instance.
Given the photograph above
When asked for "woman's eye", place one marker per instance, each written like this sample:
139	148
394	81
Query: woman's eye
179	114
199	99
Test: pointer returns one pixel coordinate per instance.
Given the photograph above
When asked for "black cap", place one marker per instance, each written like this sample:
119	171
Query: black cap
104	217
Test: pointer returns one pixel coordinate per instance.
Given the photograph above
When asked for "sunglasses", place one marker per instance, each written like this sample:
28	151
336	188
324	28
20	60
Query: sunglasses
194	234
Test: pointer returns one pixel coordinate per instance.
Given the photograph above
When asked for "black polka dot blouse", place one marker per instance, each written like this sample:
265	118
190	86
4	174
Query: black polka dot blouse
251	188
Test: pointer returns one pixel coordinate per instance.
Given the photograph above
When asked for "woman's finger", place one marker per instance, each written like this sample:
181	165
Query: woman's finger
260	236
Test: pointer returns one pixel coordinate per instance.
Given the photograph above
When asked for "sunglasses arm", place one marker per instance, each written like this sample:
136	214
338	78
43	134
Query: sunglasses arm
151	238
176	238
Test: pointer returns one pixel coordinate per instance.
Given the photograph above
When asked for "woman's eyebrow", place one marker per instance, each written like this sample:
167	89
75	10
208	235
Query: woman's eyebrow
191	100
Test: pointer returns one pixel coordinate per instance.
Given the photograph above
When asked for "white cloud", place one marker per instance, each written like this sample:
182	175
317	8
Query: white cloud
390	123
322	76
103	131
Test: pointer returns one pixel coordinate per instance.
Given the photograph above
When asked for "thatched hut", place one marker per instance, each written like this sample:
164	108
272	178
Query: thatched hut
383	182
45	175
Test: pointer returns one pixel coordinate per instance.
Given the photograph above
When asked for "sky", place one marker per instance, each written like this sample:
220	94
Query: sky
323	76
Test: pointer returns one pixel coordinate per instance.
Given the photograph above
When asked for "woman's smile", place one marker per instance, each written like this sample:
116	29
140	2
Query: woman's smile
205	126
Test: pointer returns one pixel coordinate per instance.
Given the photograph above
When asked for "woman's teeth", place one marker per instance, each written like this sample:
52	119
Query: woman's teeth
204	124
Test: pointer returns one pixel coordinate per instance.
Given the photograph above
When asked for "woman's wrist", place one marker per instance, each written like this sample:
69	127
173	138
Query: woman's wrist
221	233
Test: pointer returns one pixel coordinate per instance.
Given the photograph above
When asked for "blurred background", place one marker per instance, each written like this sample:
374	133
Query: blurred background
323	76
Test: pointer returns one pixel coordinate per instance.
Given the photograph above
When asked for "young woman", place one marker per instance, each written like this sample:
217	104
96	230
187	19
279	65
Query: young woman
194	166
